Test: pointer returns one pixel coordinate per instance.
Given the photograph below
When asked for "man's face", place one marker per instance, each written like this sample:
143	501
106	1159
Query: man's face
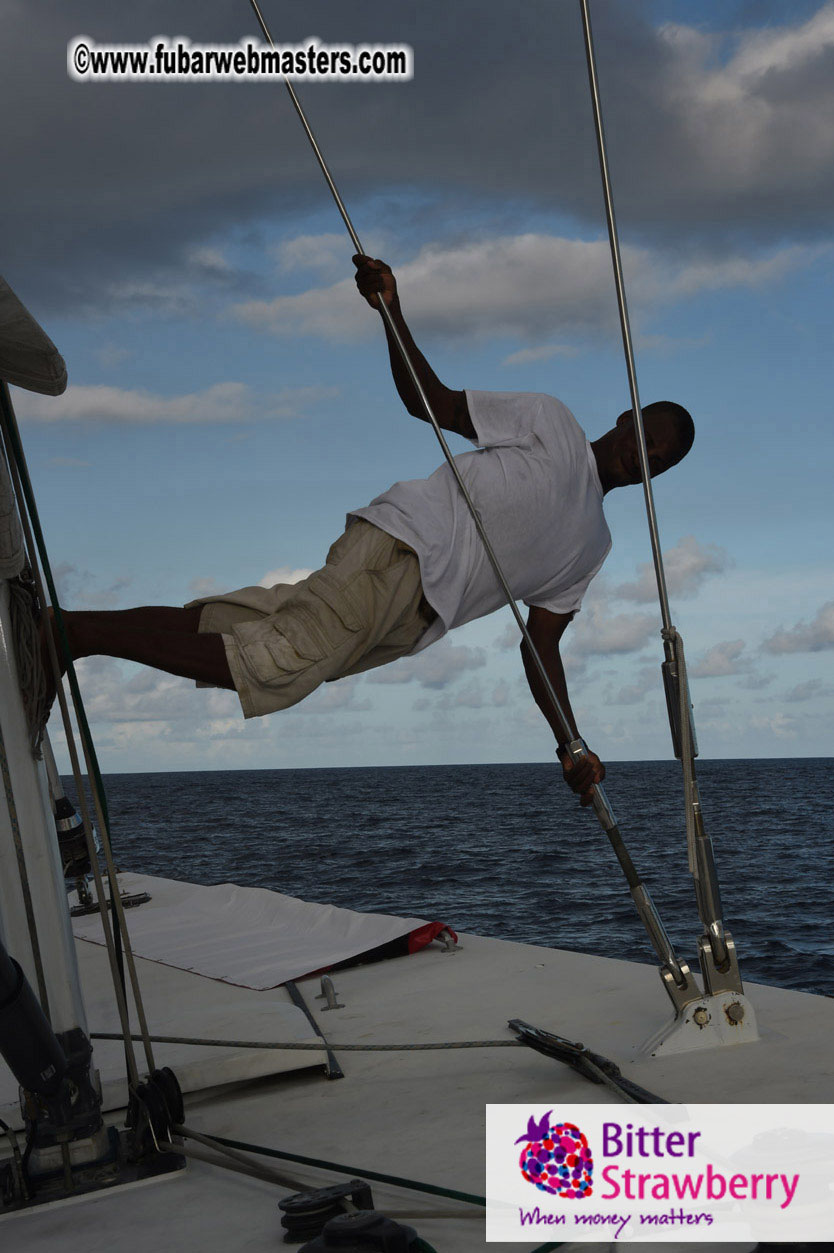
661	446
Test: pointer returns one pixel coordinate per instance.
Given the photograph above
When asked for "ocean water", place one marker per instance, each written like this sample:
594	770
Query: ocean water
506	851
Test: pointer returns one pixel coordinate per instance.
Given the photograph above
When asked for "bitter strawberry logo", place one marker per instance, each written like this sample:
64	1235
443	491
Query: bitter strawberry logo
556	1158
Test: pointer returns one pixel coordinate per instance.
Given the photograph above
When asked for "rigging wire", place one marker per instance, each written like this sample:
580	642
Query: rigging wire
23	874
114	952
427	407
625	325
591	1065
576	747
700	851
36	545
22	869
30	670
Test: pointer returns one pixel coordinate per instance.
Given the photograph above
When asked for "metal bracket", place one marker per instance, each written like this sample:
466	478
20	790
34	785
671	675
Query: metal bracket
727	977
671	687
680	994
710	1022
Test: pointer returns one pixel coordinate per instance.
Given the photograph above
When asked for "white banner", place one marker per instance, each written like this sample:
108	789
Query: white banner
652	1173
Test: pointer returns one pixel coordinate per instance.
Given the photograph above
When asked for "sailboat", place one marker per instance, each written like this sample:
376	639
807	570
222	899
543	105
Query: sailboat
269	1100
260	1082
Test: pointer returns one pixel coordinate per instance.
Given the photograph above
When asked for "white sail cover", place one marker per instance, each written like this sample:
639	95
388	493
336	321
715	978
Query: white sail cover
248	936
28	357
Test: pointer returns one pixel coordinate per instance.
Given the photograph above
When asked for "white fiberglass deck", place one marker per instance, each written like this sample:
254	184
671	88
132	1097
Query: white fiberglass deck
417	1114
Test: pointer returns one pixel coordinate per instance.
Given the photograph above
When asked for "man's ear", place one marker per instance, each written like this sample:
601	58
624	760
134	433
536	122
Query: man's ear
628	416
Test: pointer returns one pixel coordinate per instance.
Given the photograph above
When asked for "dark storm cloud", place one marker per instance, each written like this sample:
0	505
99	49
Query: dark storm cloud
713	139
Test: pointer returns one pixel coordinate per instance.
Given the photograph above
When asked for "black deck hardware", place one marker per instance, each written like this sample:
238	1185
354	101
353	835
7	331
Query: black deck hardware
580	1058
305	1213
367	1233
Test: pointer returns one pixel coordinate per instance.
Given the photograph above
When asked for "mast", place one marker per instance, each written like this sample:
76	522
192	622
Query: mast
42	1016
31	877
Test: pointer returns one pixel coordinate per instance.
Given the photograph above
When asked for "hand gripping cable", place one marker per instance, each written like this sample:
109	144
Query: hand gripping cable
675	973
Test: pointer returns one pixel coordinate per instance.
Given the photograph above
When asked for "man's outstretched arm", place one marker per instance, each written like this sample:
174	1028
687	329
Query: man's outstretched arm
546	630
374	280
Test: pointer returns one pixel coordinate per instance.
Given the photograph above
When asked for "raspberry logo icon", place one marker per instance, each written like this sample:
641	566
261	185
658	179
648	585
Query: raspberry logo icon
556	1158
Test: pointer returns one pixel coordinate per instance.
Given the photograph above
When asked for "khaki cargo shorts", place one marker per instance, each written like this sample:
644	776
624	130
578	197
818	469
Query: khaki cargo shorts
365	607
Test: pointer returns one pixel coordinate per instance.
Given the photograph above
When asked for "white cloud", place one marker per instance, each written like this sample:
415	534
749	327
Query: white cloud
686	566
205	586
284	574
79	588
207	262
808	690
471	695
785	49
516	285
716	273
468	696
110	356
113	695
647	680
811	637
501	693
760	121
575	665
333	312
183	290
721	660
509	638
543	353
222	402
332	698
779	725
756	682
598	632
324	253
208	586
117	694
435	667
666	345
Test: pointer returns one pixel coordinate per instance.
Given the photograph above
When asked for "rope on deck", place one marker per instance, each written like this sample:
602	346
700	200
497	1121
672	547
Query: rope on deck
317	1047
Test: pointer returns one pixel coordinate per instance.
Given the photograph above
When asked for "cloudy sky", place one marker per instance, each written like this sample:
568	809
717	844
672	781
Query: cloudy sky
229	396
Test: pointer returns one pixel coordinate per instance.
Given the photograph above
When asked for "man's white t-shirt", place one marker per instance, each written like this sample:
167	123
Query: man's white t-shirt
535	484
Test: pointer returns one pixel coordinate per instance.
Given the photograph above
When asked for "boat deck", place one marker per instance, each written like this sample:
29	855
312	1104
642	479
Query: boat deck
416	1114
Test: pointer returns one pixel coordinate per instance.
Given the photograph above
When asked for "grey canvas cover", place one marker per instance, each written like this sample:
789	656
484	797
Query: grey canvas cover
28	357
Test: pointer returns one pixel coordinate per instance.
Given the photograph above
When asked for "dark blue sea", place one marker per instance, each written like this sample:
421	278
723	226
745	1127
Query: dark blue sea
505	850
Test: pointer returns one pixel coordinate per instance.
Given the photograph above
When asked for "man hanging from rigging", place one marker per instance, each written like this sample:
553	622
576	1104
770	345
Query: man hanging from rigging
410	565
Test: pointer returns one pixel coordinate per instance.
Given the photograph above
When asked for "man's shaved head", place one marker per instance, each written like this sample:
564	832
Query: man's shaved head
670	433
677	419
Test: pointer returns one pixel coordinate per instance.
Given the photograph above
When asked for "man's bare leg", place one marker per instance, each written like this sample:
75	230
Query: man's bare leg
160	636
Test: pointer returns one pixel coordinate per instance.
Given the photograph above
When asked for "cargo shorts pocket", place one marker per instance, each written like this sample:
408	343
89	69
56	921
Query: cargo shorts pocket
321	623
342	598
